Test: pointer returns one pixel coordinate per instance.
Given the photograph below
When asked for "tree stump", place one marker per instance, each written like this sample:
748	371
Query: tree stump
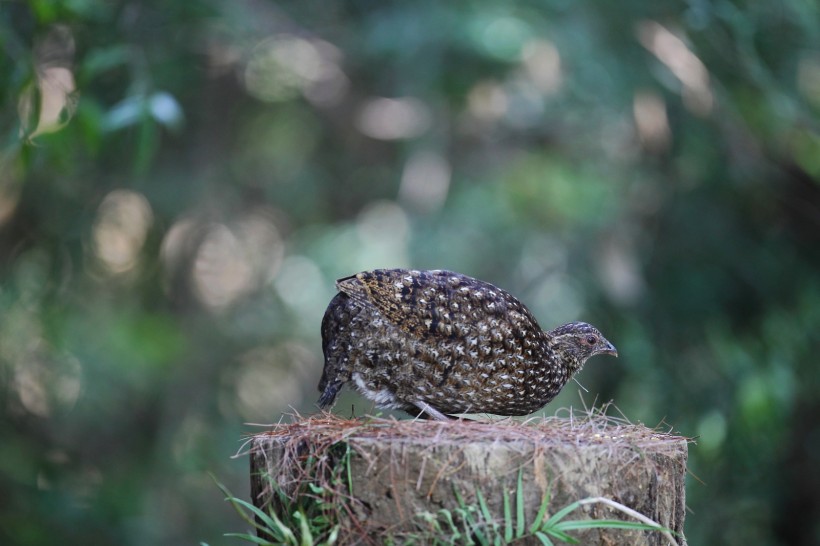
386	481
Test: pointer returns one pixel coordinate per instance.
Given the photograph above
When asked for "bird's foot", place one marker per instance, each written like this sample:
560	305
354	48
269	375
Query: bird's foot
328	398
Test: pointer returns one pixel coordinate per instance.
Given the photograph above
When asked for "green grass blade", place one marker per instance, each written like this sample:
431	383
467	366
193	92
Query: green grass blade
478	532
250	538
459	498
508	525
333	536
283	500
519	505
560	535
489	520
304	528
542	510
545	540
606	524
558	516
482	504
347	467
473	523
448	517
469	525
270	522
430	519
239	503
479	536
282	529
316	489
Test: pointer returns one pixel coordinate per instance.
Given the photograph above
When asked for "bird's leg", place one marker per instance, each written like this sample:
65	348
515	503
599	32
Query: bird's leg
431	411
416	413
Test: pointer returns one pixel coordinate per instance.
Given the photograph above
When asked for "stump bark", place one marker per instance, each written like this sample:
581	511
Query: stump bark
383	481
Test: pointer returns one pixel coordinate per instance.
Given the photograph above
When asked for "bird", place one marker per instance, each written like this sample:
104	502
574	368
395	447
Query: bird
436	344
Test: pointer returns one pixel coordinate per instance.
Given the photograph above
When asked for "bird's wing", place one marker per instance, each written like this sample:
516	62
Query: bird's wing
429	303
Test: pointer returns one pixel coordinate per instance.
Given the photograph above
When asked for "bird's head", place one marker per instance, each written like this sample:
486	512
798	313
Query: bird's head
577	341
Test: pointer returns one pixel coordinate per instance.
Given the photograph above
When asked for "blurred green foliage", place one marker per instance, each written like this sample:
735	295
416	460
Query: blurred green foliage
182	181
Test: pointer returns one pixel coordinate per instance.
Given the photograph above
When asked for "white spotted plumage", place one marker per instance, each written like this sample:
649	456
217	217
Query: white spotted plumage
446	342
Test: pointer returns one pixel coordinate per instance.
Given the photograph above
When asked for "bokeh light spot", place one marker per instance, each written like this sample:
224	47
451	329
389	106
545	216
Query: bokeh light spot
272	379
649	110
503	37
682	62
233	261
121	227
300	284
383	229
543	65
487	101
221	272
393	119
281	68
45	382
711	431
425	181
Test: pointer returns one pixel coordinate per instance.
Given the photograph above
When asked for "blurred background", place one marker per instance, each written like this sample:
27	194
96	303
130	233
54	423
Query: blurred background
182	181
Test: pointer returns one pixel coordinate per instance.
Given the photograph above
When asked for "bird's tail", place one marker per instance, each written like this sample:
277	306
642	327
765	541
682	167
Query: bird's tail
335	372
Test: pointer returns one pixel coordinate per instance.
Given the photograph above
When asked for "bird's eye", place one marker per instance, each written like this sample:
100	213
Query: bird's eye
591	340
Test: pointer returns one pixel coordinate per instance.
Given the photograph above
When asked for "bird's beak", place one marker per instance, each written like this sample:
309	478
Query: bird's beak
609	349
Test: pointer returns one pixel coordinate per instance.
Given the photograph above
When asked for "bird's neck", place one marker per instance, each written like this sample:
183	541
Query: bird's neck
572	364
563	347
